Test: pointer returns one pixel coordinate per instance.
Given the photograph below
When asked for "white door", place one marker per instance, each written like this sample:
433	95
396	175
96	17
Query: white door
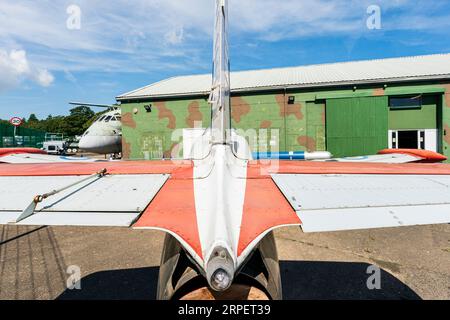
431	136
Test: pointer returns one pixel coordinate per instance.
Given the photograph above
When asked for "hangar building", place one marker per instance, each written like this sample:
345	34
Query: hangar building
349	109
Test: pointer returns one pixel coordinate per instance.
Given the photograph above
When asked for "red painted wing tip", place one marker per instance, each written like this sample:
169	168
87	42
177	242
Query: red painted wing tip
10	151
426	155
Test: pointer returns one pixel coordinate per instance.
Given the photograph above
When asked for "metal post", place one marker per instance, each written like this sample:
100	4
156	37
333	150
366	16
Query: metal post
14	136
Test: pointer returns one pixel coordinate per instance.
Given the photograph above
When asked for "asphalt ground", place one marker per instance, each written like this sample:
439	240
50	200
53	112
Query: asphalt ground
120	263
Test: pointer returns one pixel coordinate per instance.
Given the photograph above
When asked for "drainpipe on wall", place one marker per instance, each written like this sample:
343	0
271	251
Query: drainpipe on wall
441	145
285	120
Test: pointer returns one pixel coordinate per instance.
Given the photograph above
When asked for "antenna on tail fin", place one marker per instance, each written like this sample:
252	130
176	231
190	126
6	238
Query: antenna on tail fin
220	92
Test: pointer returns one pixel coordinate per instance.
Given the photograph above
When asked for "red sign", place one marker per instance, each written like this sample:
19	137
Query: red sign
15	121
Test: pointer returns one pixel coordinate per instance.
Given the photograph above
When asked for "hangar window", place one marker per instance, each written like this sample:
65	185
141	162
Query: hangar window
405	102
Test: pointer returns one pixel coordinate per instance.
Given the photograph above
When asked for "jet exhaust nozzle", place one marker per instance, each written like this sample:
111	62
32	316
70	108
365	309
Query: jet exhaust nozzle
220	270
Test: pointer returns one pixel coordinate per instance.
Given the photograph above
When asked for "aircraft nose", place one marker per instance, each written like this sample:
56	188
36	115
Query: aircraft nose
99	144
87	143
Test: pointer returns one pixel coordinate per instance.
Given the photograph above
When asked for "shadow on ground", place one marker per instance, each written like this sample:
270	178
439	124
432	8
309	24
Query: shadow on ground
301	280
304	280
125	284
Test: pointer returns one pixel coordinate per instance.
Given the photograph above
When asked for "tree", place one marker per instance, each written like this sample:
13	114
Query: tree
32	122
33	118
75	123
54	125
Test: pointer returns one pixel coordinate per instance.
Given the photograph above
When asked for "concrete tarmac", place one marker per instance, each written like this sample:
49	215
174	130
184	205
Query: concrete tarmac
120	263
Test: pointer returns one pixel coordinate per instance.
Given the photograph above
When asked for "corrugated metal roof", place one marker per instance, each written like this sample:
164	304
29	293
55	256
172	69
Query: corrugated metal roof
369	71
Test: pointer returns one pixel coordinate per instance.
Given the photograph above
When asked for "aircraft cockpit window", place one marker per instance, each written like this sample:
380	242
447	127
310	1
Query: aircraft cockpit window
101	119
119	118
113	119
108	118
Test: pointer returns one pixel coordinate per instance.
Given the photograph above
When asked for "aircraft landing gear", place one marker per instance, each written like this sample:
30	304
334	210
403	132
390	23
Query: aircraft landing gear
180	279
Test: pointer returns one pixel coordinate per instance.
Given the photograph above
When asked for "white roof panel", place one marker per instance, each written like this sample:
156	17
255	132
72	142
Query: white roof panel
395	69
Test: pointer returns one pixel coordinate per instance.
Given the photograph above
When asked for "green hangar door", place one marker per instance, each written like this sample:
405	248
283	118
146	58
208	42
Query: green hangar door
357	126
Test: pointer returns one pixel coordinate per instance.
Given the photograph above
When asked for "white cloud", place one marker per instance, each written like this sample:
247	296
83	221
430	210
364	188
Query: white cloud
69	76
15	68
17	61
175	36
44	78
146	35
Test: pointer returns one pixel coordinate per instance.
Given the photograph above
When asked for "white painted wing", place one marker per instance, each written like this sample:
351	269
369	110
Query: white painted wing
380	158
113	200
348	202
42	158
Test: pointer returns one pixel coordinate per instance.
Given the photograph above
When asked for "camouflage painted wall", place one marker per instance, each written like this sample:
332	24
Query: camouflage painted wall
278	124
153	135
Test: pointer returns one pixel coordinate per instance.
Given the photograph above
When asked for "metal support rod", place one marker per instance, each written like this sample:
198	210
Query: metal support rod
39	198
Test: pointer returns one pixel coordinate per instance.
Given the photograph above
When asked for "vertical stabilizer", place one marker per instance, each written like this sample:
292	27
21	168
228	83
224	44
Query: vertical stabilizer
220	92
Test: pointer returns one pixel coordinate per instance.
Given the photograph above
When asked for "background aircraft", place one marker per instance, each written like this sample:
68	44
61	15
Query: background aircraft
104	136
219	210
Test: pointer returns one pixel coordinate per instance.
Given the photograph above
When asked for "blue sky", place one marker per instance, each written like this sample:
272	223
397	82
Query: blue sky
122	45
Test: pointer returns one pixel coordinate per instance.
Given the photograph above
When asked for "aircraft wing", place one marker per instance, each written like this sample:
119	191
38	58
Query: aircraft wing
336	202
43	158
380	158
162	195
116	198
383	156
395	156
334	196
33	155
